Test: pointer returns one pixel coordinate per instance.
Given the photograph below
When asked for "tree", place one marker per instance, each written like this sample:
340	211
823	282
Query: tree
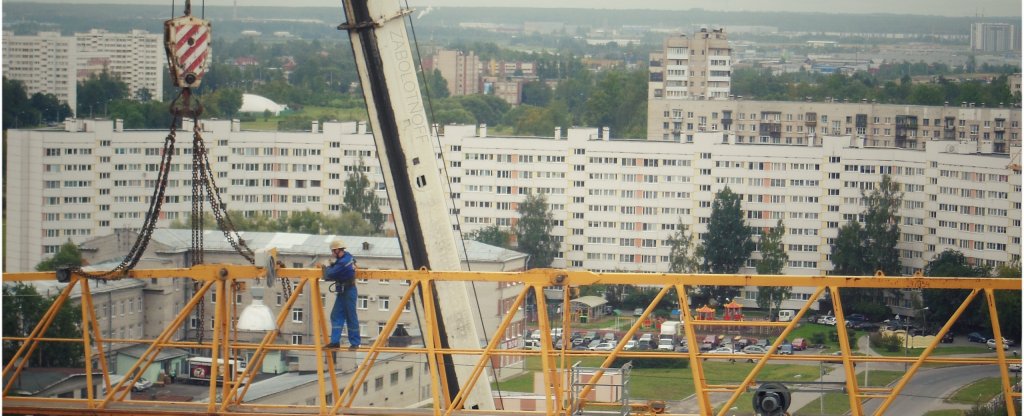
23	308
435	84
533	231
682	257
848	257
943	302
95	93
882	226
67	256
492	235
361	197
727	244
773	259
536	93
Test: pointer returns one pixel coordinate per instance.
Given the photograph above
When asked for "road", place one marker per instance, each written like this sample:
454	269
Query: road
927	389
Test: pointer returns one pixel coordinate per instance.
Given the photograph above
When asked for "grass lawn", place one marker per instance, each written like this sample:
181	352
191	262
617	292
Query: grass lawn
677	383
980	391
309	112
839	403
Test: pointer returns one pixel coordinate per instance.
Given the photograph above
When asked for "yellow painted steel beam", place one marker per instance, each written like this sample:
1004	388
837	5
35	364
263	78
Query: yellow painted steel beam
556	277
555	362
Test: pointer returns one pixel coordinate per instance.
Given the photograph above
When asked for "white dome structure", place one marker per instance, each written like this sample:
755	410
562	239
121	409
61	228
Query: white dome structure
252	103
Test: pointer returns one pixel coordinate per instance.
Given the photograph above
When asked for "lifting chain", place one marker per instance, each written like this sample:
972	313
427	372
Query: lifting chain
149	224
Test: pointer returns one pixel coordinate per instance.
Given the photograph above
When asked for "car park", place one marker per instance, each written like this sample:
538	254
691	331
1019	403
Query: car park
992	344
975	337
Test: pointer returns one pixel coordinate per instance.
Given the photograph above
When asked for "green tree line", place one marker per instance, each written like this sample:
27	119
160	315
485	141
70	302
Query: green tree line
761	84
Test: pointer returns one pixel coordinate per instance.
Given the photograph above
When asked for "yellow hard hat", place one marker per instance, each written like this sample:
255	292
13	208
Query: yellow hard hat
336	244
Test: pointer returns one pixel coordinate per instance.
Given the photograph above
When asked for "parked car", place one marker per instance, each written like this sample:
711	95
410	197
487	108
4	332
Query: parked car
142	384
589	337
947	338
856	317
865	326
531	344
827	320
1008	341
725	349
786	349
1014	368
799	344
630	345
603	346
638	311
645	338
975	337
609	337
593	343
535	334
754	349
666	344
992	344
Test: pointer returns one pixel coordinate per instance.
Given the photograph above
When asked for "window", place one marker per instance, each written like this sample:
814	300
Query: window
383	303
394	378
297	315
296	339
362	302
378	383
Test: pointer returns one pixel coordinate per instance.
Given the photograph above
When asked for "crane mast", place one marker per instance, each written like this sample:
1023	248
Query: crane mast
402	133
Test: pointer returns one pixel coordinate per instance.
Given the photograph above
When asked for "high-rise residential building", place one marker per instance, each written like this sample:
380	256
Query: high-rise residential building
994	37
460	70
615	202
696	67
805	123
46	63
53	64
136	57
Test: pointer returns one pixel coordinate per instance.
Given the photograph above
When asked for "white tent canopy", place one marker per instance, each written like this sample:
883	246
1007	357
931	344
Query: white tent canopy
252	103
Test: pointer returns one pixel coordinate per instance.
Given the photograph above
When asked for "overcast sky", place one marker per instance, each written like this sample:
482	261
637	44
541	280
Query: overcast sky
991	8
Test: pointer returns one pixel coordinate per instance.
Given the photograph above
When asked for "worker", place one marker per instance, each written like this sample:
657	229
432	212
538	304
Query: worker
343	275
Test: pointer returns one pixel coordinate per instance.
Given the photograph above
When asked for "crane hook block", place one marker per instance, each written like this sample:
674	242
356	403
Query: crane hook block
187	44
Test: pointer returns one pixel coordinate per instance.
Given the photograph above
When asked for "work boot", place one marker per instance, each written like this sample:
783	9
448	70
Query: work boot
331	345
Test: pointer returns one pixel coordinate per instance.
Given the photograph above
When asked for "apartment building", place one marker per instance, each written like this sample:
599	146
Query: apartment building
992	130
994	37
692	67
460	70
46	63
53	64
136	57
615	202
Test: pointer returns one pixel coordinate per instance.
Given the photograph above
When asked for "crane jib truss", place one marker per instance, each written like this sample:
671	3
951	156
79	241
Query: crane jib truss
224	279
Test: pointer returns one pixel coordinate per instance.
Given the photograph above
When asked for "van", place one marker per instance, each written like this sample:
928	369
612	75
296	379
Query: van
786	315
799	344
531	344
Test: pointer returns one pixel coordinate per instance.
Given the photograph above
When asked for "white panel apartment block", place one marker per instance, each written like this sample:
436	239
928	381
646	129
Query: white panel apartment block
46	63
615	202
